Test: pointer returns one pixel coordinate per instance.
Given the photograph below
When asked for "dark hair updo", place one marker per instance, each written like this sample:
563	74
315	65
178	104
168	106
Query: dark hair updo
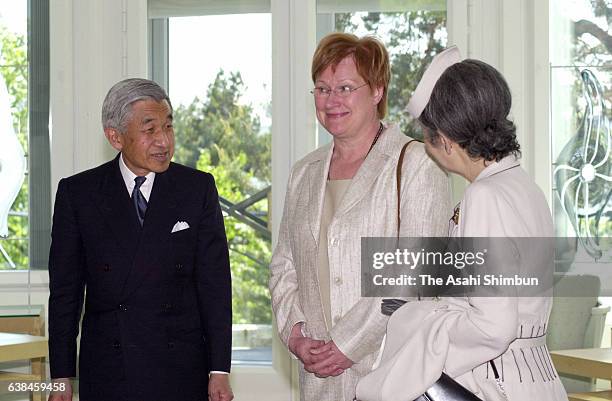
470	104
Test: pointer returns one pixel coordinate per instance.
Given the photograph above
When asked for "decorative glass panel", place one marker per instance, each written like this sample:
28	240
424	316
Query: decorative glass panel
581	96
582	176
580	105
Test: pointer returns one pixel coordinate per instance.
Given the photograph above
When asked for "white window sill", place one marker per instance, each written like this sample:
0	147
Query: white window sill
20	280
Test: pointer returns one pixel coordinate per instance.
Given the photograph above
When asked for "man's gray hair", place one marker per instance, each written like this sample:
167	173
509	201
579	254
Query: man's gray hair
117	105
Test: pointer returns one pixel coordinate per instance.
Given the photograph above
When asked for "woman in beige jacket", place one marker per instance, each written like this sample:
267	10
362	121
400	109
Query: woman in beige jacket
494	346
335	196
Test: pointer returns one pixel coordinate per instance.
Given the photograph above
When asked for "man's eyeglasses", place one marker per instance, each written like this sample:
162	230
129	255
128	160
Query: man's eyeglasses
341	91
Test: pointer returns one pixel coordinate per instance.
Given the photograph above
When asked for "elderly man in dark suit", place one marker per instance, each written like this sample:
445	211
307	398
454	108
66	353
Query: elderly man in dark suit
142	241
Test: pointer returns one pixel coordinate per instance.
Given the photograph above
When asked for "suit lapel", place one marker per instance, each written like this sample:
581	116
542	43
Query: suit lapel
155	232
362	181
118	210
360	185
317	178
160	209
387	147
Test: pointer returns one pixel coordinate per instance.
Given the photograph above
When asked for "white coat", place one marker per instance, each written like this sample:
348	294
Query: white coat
461	335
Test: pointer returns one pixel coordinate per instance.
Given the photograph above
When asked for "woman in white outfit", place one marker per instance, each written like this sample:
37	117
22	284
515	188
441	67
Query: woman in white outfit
496	346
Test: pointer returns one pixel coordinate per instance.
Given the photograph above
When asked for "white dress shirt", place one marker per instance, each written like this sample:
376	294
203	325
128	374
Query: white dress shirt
128	178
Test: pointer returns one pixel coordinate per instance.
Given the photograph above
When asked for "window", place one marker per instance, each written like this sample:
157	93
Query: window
222	124
24	64
581	100
581	138
14	221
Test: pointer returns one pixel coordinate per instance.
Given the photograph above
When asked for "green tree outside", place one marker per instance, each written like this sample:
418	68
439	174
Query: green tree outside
221	136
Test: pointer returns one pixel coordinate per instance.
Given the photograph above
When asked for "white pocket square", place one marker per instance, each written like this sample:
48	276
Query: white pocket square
180	226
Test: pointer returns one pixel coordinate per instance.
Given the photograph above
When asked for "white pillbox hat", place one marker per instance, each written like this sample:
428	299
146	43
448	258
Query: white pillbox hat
438	65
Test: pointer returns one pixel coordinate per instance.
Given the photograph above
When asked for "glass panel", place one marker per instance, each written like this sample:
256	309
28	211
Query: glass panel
221	94
582	154
580	33
581	95
13	135
412	37
581	111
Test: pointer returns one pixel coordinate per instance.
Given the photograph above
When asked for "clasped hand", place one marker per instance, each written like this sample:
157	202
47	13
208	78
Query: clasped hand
321	358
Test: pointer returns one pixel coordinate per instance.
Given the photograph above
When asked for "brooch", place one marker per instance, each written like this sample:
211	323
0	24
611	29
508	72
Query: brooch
455	217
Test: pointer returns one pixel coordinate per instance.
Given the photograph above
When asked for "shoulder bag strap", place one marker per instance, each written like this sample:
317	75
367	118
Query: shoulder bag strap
398	177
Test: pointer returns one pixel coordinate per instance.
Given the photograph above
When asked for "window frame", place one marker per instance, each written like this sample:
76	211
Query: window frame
39	159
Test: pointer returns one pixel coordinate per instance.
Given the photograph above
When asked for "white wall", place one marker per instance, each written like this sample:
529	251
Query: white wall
94	44
512	36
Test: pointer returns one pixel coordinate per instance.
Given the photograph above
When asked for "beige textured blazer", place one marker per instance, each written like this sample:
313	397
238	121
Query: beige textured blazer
368	208
461	335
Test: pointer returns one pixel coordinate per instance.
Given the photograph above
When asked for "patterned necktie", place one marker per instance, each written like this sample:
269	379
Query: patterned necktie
140	203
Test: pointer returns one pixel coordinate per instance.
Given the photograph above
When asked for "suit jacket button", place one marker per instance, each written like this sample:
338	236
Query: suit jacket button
106	268
179	267
116	345
170	345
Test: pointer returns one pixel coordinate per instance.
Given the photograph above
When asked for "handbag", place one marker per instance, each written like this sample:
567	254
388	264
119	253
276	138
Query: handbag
445	388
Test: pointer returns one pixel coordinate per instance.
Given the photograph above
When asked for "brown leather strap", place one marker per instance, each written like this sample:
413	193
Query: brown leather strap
398	176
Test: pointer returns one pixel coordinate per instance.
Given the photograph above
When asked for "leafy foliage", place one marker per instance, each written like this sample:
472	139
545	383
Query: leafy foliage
592	43
223	137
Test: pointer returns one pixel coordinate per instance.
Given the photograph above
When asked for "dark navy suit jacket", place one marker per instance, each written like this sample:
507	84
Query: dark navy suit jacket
157	313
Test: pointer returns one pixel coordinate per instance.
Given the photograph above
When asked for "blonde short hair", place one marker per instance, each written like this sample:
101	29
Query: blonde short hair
370	56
